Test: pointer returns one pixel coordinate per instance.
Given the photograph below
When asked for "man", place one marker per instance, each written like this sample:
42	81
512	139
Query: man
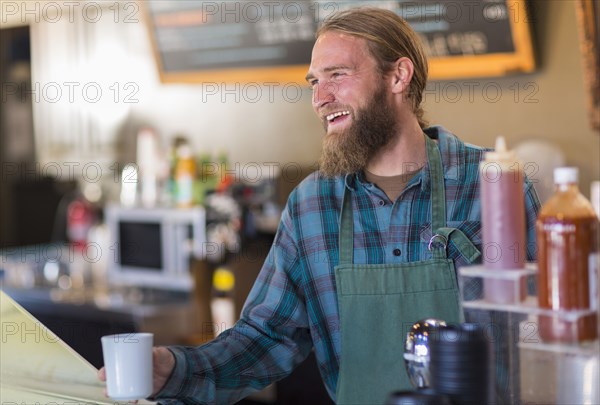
366	247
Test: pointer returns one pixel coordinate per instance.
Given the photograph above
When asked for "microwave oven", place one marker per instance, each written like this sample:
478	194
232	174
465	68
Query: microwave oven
152	247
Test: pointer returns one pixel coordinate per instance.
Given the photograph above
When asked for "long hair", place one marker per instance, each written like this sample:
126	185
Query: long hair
389	37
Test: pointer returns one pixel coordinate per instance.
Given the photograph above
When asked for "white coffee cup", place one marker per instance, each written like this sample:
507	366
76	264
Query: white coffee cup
128	365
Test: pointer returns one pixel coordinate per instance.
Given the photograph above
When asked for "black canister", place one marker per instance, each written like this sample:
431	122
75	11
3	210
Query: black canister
462	365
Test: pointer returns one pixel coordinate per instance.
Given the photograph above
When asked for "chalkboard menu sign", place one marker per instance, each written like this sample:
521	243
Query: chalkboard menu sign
271	40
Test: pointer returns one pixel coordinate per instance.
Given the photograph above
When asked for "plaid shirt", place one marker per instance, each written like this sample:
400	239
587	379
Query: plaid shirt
293	308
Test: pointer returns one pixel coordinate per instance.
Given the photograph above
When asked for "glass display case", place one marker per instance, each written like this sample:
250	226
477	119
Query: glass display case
542	356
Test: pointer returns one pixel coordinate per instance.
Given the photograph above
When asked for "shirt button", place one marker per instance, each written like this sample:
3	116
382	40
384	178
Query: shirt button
397	252
381	203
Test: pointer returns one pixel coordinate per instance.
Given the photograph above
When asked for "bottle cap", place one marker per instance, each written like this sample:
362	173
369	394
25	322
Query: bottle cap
501	152
566	175
223	279
184	151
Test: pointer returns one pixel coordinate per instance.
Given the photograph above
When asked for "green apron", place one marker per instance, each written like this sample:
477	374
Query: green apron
378	303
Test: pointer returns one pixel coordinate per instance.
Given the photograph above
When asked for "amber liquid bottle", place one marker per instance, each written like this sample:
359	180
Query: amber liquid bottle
567	238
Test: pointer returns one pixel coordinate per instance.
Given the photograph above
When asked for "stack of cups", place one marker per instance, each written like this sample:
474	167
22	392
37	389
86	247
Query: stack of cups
462	365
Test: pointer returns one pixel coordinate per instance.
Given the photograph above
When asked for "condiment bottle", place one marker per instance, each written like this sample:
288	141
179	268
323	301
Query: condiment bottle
503	222
222	304
567	239
149	162
185	174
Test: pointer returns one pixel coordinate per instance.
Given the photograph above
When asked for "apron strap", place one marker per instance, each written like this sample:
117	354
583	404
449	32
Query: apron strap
439	240
346	231
438	192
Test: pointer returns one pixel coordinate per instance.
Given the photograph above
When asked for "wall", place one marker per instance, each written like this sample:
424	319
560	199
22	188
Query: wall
549	104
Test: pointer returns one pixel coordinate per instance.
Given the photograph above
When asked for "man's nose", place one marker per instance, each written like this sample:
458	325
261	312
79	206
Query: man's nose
323	94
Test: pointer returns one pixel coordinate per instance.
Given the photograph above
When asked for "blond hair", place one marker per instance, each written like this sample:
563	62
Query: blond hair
389	37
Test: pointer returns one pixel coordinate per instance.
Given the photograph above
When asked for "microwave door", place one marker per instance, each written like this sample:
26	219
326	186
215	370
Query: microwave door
139	247
169	247
182	249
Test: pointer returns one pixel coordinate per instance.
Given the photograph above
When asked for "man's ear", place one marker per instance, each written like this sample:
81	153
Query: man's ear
402	75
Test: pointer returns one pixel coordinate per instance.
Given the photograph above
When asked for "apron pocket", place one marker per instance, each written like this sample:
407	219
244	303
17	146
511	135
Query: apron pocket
429	275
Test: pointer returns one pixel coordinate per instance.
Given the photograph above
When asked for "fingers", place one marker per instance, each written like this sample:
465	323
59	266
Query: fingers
102	377
102	374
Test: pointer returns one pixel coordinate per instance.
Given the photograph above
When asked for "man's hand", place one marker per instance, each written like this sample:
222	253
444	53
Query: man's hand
163	363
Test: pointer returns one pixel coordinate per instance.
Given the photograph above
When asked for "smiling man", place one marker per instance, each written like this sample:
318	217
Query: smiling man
370	108
366	246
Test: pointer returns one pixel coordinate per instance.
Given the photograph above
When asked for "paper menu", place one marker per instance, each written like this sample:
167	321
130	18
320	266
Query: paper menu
38	367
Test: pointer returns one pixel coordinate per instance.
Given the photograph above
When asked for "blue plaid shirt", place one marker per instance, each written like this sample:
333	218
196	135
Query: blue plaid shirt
292	307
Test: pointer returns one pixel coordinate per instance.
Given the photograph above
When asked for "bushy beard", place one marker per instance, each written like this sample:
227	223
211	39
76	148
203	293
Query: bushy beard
350	150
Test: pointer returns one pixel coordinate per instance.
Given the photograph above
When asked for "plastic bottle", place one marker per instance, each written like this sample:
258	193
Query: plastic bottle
225	176
81	216
207	177
503	222
222	304
185	174
567	238
148	161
